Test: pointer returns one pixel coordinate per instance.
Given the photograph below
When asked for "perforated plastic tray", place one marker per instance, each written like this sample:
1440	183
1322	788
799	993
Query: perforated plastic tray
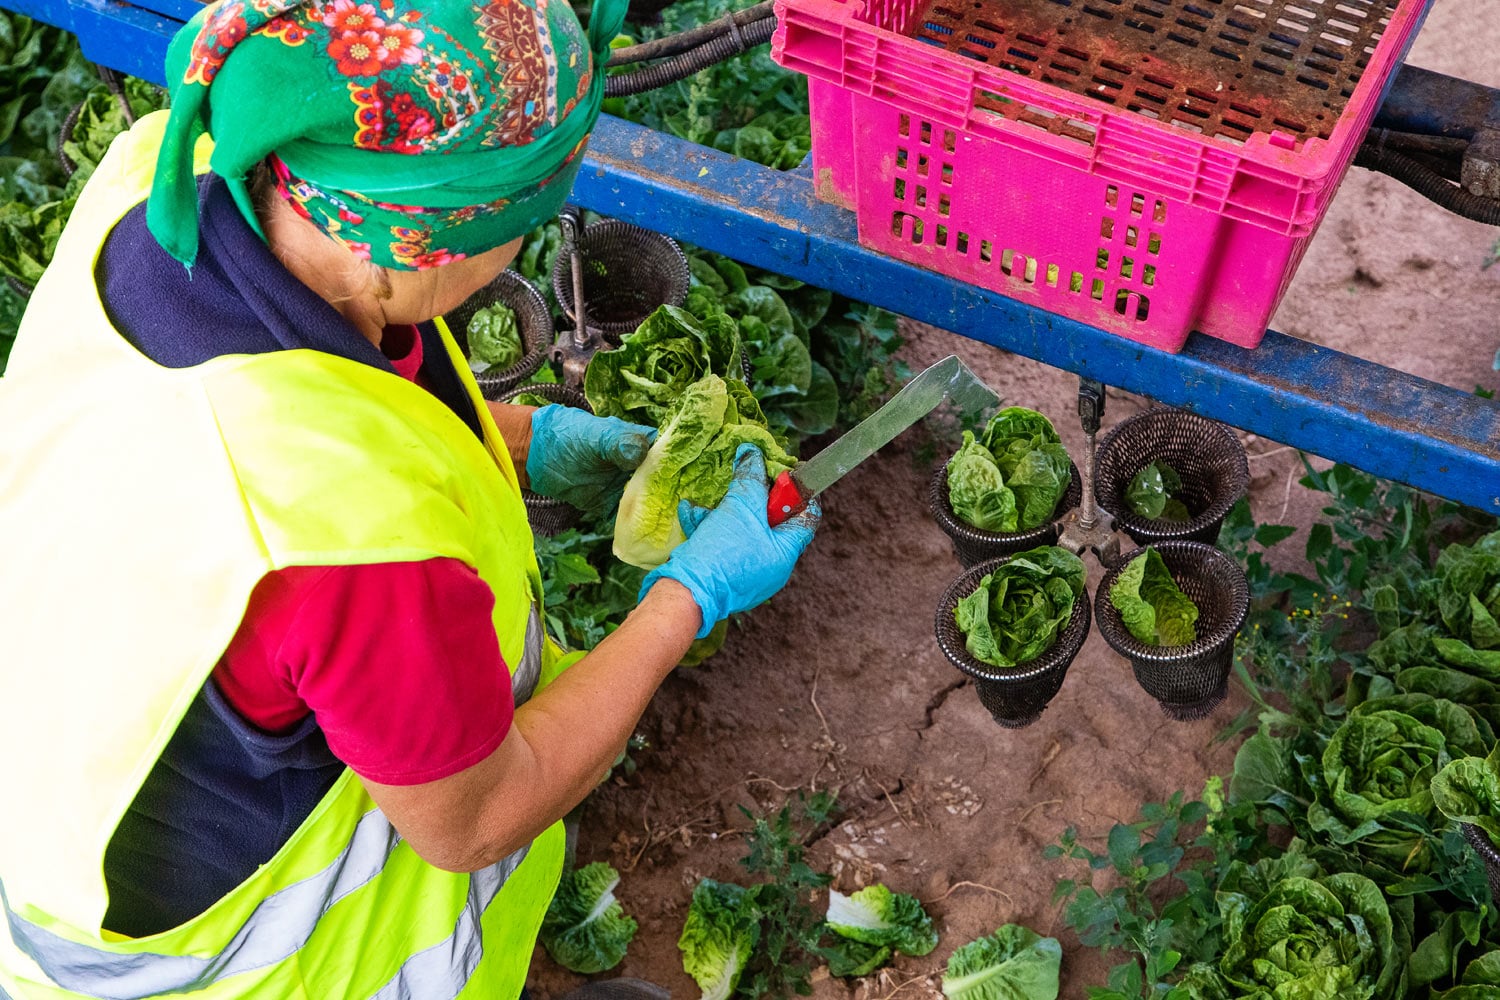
1150	167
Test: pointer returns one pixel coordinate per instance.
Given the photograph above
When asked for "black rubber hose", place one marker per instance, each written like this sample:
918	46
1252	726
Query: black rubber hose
672	45
1429	184
684	65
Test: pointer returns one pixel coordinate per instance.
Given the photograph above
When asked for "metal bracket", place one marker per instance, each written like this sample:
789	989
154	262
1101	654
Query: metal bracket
573	351
1089	526
1481	166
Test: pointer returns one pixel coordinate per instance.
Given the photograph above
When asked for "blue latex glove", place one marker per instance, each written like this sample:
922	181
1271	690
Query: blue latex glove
733	559
582	459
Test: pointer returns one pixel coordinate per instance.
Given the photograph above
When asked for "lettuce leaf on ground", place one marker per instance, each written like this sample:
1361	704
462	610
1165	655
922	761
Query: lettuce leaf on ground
1150	603
722	927
585	928
877	916
1014	963
692	459
1017	612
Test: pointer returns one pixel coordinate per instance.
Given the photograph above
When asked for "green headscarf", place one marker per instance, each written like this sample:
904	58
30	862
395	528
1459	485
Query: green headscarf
413	131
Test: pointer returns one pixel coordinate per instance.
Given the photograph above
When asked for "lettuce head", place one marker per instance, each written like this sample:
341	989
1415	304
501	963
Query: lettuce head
692	459
641	380
1011	477
585	929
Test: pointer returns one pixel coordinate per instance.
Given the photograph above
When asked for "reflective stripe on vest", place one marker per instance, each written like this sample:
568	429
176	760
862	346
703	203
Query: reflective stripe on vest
278	928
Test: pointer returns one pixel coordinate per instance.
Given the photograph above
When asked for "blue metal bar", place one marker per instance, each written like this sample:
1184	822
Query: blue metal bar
1384	421
1387	422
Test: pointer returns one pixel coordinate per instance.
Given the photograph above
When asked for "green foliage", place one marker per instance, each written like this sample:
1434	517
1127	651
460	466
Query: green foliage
747	105
1139	914
1014	963
585	928
43	76
877	916
494	337
1152	493
1150	603
1016	613
691	459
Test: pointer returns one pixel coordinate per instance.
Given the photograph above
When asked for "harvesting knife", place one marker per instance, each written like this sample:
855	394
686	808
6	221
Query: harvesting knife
950	378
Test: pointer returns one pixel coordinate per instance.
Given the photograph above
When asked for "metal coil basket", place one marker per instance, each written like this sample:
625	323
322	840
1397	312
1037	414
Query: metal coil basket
532	317
546	515
1015	698
1480	841
1191	680
628	273
974	545
1204	453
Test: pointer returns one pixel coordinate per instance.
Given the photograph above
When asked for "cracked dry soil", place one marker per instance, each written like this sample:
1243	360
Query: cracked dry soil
838	682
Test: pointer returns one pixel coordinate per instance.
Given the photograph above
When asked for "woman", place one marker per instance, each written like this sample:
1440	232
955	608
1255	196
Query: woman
280	717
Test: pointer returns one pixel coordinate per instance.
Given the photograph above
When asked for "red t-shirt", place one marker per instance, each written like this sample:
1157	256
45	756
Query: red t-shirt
398	662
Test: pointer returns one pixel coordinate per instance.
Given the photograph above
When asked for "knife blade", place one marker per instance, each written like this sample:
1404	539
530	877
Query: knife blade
950	379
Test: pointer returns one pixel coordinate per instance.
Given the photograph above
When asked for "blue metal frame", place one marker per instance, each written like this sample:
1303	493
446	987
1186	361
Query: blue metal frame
1378	419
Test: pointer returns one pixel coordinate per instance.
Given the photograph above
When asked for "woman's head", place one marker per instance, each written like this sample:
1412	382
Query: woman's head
414	134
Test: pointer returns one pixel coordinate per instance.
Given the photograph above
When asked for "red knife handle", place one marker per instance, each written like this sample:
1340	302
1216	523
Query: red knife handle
785	500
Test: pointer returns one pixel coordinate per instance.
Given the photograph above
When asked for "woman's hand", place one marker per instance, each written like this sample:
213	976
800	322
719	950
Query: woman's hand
582	459
733	559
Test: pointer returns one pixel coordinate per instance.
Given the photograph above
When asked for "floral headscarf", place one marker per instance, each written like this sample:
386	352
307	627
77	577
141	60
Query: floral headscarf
414	132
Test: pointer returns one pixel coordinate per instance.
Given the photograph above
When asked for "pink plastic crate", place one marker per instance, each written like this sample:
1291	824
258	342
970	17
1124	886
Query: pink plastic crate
1150	167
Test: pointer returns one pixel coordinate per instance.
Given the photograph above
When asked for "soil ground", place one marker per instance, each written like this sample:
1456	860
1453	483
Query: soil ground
838	683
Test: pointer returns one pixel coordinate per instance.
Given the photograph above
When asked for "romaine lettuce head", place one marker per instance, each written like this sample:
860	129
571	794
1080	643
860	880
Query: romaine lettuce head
1154	610
1467	790
875	915
1017	612
1153	493
976	490
691	459
1291	932
1032	461
494	337
1380	763
641	379
722	927
585	929
1014	963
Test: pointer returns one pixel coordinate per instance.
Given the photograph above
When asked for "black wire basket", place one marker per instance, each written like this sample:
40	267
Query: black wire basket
546	515
1191	680
1480	841
1015	698
1206	455
628	273
975	545
532	317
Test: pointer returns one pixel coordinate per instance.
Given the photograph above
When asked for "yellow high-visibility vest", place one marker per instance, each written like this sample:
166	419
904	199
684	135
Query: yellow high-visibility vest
139	507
